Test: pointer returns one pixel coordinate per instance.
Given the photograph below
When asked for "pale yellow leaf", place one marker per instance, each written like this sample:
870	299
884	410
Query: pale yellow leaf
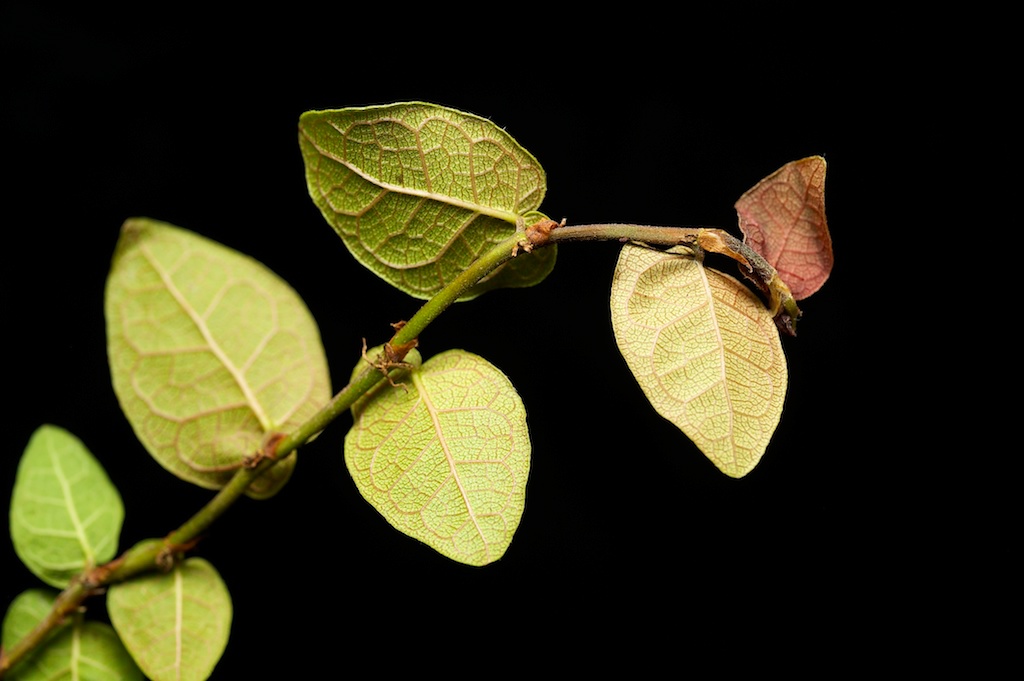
444	457
705	351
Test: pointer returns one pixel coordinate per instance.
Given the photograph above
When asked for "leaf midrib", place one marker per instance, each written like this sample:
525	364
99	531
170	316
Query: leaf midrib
433	411
69	503
507	216
218	352
712	303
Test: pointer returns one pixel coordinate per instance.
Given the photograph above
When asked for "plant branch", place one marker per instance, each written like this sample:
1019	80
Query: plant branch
151	554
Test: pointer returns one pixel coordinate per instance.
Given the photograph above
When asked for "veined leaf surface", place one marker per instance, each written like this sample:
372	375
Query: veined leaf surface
209	352
782	217
446	458
66	515
78	649
705	351
418	191
174	624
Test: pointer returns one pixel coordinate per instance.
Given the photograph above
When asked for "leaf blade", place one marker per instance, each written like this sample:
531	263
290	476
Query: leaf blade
176	624
704	350
66	514
209	352
417	191
446	461
782	217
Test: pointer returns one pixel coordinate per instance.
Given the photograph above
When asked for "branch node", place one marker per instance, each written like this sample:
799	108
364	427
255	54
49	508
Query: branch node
537	234
171	553
99	575
392	357
267	452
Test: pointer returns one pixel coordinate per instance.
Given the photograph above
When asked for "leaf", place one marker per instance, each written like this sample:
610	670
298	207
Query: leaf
704	350
209	353
445	458
783	218
66	515
88	651
174	624
417	191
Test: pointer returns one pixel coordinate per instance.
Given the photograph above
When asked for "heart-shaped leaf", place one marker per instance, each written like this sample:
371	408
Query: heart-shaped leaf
174	624
444	457
78	649
783	218
418	191
209	353
66	515
704	350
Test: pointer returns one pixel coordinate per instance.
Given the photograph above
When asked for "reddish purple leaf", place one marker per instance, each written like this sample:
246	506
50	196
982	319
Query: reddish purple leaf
783	218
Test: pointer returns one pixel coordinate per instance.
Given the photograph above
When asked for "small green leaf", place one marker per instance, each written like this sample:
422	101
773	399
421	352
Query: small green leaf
445	456
66	515
88	651
418	191
209	353
175	624
705	351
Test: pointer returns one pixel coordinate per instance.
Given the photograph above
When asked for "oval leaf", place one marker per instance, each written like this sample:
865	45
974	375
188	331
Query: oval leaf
705	351
418	191
783	218
90	651
175	624
66	515
445	456
209	352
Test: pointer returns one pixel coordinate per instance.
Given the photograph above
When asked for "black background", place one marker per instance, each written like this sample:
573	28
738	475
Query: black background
631	539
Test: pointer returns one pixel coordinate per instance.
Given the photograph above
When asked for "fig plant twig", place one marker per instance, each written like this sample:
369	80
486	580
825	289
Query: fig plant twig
323	137
153	554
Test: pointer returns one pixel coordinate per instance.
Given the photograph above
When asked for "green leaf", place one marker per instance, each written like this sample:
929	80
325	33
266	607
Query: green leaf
87	651
418	191
210	352
445	456
66	515
705	351
175	624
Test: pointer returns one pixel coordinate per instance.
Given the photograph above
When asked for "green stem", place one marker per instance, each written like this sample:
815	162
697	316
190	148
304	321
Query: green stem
405	336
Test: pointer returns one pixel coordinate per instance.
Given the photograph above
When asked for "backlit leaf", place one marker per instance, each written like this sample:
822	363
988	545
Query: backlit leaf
418	191
77	649
704	350
783	218
174	624
445	458
66	515
209	353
